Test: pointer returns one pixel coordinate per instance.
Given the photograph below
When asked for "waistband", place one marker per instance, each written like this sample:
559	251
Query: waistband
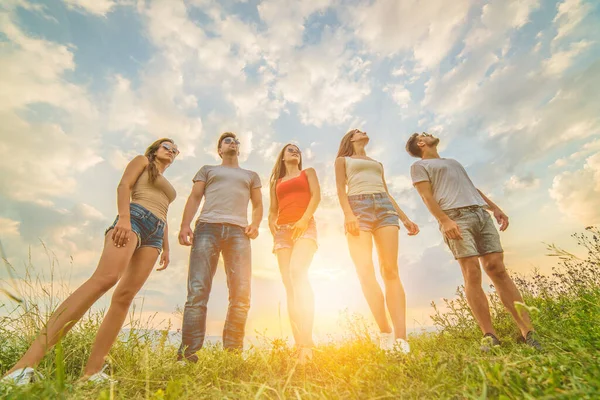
147	214
466	208
291	224
378	195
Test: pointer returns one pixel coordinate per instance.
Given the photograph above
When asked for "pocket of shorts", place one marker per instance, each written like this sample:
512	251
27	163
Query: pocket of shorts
134	212
453	214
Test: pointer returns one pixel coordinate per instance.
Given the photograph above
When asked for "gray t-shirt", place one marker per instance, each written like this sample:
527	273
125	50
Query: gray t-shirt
452	187
226	194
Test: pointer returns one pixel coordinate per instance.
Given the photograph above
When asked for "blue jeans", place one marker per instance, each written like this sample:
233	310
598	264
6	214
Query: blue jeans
210	240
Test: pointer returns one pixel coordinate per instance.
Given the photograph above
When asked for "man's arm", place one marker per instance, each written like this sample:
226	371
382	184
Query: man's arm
273	210
257	213
449	228
186	235
501	218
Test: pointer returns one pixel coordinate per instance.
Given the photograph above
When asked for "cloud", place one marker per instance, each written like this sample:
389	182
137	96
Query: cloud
516	183
98	7
569	16
577	193
561	60
399	93
9	227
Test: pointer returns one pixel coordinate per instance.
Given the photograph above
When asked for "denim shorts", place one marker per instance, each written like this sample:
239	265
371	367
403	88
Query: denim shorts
283	236
148	228
479	235
374	211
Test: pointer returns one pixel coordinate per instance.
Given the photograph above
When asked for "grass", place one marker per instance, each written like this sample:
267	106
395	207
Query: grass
445	364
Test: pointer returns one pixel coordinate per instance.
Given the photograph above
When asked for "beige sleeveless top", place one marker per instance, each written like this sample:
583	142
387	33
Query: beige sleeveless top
363	176
153	197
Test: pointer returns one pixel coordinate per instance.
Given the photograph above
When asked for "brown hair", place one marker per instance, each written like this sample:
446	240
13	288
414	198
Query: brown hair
151	154
223	136
412	146
346	149
279	168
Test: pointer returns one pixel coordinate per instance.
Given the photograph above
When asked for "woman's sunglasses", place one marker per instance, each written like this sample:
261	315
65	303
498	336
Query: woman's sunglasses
170	147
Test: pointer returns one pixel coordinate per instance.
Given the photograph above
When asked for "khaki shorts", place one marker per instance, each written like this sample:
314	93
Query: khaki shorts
480	236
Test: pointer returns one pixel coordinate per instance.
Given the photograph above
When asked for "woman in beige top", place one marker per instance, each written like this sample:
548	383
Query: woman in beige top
131	248
371	214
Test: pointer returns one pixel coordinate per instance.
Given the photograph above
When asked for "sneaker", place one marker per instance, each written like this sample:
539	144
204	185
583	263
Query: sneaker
101	378
488	342
21	377
531	341
193	358
402	346
386	341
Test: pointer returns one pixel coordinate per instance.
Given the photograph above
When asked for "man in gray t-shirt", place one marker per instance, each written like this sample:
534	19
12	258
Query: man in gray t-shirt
469	232
222	228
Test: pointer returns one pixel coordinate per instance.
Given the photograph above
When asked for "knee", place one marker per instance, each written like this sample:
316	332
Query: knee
389	272
366	275
472	277
197	298
298	275
495	270
104	283
123	297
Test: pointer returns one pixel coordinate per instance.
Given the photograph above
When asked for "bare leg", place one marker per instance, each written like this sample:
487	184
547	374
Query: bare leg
475	295
493	265
283	259
133	279
386	241
361	251
304	301
112	262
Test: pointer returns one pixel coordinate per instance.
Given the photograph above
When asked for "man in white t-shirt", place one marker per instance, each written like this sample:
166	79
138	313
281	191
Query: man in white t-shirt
462	214
221	228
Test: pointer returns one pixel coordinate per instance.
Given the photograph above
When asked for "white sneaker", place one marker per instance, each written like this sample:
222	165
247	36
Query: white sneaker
402	346
386	341
20	377
101	378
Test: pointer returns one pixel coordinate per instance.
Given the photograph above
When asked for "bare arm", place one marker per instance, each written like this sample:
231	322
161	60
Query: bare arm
350	220
412	228
449	228
500	216
165	255
273	210
191	208
315	198
257	213
134	169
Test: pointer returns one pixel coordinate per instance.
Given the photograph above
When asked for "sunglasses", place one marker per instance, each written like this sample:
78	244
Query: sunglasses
229	140
170	147
293	150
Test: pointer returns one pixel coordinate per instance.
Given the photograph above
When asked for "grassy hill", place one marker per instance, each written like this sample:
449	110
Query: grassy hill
446	364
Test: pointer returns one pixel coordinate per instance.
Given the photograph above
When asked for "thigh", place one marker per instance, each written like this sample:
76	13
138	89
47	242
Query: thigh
471	269
386	214
139	269
283	260
302	255
114	260
467	246
204	256
386	242
237	259
361	252
489	238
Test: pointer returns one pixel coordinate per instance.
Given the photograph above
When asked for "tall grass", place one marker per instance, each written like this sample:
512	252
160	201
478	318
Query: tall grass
565	307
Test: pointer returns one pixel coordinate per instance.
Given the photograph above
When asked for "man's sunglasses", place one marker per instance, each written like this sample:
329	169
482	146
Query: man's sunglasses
229	140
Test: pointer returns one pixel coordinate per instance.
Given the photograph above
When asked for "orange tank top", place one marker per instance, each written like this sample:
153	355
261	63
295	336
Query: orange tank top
293	197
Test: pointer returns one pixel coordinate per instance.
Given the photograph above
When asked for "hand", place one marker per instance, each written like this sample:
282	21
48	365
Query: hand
273	227
164	260
121	232
451	230
501	218
299	228
251	231
351	224
411	227
186	236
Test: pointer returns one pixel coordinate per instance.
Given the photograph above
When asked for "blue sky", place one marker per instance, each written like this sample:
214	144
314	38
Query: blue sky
509	86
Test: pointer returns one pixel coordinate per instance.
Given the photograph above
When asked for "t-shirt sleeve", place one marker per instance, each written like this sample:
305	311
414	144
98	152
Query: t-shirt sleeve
201	175
256	181
418	173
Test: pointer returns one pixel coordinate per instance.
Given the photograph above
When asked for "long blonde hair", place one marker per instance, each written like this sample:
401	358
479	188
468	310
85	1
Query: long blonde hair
279	168
151	154
346	148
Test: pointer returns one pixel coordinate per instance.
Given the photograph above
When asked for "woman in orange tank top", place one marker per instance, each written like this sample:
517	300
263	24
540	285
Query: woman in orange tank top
295	195
132	246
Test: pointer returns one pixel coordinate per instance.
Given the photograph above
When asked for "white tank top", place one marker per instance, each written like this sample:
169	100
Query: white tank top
363	176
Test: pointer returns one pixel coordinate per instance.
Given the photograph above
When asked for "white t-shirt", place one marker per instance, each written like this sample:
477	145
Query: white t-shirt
452	187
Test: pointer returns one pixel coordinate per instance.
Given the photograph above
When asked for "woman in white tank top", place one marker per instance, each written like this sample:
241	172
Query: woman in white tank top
371	215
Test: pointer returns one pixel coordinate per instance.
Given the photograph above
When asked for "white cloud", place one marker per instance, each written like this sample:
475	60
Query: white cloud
428	30
577	193
399	93
569	16
561	60
9	227
516	183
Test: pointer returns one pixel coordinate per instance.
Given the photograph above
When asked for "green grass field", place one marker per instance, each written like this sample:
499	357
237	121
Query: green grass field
445	364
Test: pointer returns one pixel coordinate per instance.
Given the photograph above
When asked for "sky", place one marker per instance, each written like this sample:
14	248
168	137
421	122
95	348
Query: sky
510	87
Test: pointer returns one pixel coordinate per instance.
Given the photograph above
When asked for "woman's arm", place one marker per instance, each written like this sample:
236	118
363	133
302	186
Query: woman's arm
165	255
315	198
350	220
134	169
412	228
